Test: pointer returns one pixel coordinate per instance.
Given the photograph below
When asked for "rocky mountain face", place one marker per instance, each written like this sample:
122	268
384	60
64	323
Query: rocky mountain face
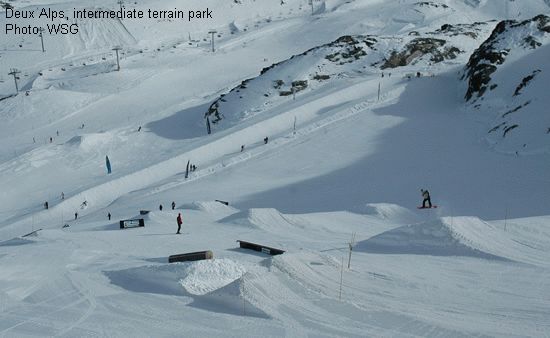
506	36
506	81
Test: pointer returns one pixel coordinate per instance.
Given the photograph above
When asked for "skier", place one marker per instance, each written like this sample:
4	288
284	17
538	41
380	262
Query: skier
160	207
265	140
139	129
62	195
46	205
179	222
426	196
75	215
109	216
173	205
242	148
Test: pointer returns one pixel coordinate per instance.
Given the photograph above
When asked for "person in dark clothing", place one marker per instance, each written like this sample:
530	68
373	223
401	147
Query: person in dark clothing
173	205
242	148
179	222
160	207
265	140
426	196
109	216
75	215
46	205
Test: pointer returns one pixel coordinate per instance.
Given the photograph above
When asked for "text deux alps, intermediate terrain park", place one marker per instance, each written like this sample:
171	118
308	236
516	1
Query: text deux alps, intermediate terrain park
285	168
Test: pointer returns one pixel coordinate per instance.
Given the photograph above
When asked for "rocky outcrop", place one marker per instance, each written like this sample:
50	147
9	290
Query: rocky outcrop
344	50
494	51
420	47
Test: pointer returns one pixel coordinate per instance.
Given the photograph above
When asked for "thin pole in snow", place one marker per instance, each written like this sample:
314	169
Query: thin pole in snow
116	49
294	130
244	299
378	91
505	218
351	245
341	278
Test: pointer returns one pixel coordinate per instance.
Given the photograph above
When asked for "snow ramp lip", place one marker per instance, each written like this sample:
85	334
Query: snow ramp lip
268	219
435	238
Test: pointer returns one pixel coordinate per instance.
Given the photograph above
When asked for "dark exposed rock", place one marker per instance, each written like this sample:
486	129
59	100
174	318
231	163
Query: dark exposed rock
454	30
507	129
431	4
497	127
320	77
516	109
419	47
531	42
525	82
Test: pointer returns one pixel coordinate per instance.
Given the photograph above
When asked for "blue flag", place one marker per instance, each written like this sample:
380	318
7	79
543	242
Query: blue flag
108	164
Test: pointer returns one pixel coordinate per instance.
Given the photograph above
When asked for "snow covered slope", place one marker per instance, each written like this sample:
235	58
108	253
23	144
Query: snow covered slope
327	119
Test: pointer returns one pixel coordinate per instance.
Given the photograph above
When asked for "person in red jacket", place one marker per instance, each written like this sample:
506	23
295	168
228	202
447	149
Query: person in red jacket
179	222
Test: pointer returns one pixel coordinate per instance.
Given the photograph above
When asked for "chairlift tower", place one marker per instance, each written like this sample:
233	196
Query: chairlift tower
212	31
14	72
121	3
41	30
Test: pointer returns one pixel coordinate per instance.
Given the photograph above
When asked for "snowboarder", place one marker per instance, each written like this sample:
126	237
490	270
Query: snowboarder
109	216
160	207
46	205
426	196
173	205
265	140
179	220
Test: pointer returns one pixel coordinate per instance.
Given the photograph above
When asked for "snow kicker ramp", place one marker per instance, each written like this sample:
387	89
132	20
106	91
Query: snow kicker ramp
212	285
459	236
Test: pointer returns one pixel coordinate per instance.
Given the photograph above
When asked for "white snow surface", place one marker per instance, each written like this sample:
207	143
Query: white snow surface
344	164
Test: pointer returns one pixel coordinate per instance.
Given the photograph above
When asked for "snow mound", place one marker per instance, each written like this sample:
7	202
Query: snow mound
230	299
206	276
211	207
436	238
90	142
390	211
268	219
16	242
161	279
183	279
